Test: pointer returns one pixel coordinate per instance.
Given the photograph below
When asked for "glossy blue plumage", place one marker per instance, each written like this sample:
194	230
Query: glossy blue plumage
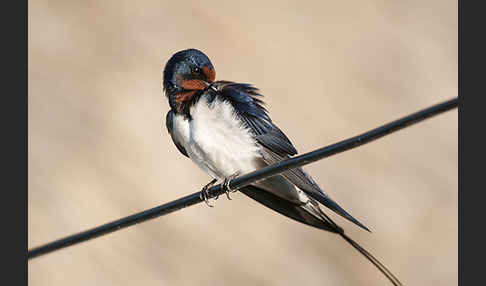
213	138
245	101
276	145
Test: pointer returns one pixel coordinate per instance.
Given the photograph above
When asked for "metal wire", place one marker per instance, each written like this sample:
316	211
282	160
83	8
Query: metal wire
246	179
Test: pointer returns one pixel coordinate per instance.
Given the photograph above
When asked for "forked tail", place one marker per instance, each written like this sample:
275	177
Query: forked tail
363	251
311	214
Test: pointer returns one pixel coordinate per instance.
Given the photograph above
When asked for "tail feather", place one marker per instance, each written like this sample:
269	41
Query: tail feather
393	279
311	214
332	205
286	208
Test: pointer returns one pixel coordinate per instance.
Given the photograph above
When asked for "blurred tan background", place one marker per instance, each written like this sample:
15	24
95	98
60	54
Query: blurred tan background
99	150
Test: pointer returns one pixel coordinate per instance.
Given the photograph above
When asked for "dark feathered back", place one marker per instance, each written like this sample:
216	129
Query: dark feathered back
276	146
245	100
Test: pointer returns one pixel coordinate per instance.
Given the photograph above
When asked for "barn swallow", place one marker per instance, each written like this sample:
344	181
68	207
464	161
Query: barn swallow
224	128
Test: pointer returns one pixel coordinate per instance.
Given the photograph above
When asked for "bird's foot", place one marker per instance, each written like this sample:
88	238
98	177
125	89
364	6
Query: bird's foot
204	193
226	183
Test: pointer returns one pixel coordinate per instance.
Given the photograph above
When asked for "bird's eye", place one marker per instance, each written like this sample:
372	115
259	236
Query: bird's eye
196	70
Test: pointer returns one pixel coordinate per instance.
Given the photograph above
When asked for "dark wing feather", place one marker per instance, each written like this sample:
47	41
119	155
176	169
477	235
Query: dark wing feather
287	208
277	147
305	182
169	121
244	99
275	144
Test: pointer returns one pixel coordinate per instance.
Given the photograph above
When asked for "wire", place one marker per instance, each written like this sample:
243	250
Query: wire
247	179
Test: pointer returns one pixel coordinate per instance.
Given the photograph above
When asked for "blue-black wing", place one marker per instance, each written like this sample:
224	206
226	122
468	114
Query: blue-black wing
276	146
245	100
169	121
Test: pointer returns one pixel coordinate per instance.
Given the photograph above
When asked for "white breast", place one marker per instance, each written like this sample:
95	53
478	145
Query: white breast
216	140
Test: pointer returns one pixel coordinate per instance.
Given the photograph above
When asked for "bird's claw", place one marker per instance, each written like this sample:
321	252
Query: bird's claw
204	196
226	183
204	193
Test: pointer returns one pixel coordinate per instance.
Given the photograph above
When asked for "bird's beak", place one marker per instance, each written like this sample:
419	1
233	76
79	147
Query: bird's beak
208	85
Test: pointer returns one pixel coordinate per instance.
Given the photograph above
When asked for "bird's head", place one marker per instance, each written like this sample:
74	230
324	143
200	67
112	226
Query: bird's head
186	74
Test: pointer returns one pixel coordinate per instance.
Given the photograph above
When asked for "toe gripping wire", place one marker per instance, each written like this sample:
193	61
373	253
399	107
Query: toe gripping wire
205	196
